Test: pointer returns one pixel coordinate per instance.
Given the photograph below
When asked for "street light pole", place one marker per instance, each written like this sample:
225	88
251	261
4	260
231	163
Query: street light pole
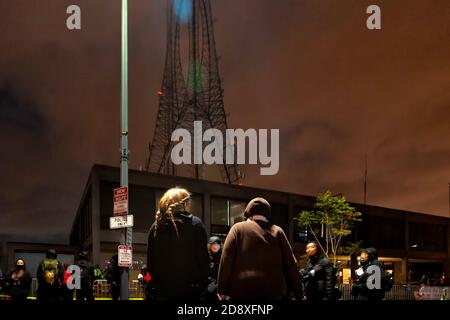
126	234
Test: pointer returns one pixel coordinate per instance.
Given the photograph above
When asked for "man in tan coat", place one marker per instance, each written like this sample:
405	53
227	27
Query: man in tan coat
257	260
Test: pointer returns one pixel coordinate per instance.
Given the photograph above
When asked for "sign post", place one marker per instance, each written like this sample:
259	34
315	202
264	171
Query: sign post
126	234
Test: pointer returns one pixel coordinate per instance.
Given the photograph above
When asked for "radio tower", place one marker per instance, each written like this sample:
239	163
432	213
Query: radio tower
198	96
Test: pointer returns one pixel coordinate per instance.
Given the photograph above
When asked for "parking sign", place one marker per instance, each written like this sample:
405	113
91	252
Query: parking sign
125	256
120	201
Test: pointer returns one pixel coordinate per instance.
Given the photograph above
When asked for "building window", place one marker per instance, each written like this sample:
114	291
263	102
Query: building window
427	237
225	213
382	232
219	212
237	209
300	232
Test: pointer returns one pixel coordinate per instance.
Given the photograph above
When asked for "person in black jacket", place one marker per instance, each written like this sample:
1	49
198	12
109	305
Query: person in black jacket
318	277
177	256
19	282
50	276
87	278
215	253
112	275
362	290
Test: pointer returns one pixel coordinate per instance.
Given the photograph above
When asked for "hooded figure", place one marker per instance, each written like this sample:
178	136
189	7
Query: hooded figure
367	287
50	276
177	257
318	277
257	260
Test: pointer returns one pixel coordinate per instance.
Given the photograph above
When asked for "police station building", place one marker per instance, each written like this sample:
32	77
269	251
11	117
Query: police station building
409	244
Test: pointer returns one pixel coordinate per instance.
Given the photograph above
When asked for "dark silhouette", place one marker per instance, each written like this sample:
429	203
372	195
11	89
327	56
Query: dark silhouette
86	278
177	256
112	275
18	282
318	277
50	276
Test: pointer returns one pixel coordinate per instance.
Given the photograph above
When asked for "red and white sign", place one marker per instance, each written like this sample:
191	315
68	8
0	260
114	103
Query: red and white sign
125	256
120	201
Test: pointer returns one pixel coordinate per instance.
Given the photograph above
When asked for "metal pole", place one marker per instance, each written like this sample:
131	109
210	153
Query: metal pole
365	179
195	63
125	233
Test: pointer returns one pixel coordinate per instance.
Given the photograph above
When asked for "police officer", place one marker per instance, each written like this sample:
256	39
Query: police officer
215	253
50	276
318	277
367	287
86	278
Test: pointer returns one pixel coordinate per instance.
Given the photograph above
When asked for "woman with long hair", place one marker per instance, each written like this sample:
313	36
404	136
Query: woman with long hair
177	256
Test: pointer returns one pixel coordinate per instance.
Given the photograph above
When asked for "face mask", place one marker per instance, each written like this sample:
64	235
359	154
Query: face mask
363	262
20	267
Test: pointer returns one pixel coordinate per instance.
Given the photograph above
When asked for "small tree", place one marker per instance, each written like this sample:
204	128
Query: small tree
329	222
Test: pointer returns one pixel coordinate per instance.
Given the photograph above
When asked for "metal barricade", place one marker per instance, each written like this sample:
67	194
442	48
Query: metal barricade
397	292
102	290
136	290
401	292
432	293
346	290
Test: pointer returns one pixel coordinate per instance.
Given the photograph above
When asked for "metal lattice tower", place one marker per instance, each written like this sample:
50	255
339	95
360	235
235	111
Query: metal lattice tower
191	87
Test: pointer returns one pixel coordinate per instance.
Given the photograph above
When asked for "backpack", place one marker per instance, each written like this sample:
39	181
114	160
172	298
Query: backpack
50	268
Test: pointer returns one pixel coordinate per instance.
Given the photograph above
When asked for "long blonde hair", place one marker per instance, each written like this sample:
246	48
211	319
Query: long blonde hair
172	201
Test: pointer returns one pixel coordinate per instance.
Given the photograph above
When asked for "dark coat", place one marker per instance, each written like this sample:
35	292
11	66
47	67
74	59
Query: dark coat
214	263
87	272
179	266
87	280
112	273
19	289
257	263
360	290
319	286
48	291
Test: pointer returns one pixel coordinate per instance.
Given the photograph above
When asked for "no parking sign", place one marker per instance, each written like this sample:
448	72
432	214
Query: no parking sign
125	256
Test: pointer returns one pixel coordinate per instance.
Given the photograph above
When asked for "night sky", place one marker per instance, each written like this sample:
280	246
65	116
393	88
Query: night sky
311	68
